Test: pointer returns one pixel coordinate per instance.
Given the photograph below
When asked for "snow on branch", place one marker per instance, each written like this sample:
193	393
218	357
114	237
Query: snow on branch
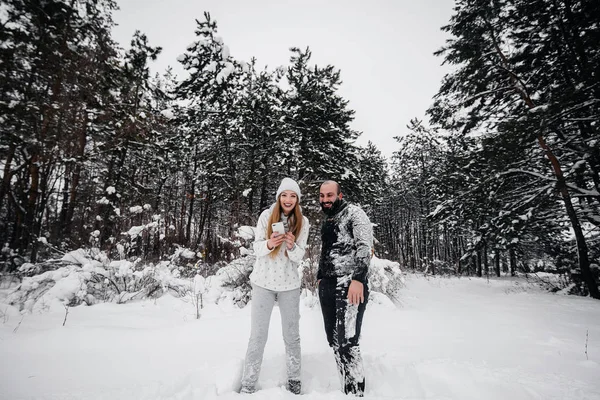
580	191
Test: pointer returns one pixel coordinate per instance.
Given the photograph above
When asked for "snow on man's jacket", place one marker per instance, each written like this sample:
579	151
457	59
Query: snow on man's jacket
347	239
280	272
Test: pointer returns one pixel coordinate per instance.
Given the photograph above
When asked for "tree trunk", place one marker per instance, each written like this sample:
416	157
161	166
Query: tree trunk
263	188
582	249
192	197
76	174
251	182
5	185
486	265
497	262
62	216
30	211
181	224
513	261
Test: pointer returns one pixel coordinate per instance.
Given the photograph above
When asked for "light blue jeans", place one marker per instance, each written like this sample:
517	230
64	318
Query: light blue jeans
263	301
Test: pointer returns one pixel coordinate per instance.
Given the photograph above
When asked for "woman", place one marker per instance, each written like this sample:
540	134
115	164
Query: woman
275	278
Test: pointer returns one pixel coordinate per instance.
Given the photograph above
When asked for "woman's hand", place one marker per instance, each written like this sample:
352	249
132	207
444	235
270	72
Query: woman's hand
290	240
276	240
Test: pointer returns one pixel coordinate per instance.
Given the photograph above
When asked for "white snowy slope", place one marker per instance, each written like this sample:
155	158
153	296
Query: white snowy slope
450	338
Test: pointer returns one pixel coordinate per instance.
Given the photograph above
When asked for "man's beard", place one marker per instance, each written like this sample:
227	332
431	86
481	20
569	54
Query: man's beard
330	210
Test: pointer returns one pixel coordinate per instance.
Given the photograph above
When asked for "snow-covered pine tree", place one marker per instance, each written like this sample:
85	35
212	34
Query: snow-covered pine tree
319	139
54	50
414	169
259	118
372	177
524	69
211	140
123	154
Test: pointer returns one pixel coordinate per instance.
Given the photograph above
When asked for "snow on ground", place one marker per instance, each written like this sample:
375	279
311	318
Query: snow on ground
449	339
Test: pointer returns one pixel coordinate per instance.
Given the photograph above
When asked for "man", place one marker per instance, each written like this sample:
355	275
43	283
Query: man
347	239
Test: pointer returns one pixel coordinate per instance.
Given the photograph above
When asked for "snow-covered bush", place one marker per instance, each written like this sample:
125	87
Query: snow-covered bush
308	274
188	262
438	267
552	282
50	290
236	277
89	277
385	277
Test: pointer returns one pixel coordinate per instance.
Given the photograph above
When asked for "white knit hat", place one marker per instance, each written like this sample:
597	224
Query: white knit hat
288	184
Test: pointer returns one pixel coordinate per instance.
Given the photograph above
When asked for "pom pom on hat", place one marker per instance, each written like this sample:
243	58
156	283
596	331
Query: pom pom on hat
288	184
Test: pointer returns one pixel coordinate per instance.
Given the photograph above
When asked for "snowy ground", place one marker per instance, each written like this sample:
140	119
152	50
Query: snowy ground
450	339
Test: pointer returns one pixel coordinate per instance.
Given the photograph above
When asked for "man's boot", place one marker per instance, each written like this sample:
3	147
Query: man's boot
355	388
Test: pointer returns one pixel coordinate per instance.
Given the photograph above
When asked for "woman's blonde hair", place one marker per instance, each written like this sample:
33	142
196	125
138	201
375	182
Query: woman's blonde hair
294	221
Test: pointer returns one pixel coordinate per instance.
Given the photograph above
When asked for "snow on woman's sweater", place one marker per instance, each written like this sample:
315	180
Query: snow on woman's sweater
347	239
280	272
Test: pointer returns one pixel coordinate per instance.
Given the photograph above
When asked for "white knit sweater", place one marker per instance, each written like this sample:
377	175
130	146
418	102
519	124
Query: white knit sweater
277	273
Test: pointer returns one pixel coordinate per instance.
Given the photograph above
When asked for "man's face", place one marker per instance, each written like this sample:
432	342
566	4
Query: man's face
328	194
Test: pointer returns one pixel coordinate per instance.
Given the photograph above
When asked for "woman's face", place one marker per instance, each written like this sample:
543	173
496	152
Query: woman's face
288	200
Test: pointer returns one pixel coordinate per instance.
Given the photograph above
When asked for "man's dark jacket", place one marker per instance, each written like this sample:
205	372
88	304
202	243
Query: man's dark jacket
347	239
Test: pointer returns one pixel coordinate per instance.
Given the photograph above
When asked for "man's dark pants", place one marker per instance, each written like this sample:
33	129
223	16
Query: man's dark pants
343	323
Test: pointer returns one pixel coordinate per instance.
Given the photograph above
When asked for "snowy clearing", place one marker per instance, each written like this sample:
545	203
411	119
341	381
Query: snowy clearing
451	338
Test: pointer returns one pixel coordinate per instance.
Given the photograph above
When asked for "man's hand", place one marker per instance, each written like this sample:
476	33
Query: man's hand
356	293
